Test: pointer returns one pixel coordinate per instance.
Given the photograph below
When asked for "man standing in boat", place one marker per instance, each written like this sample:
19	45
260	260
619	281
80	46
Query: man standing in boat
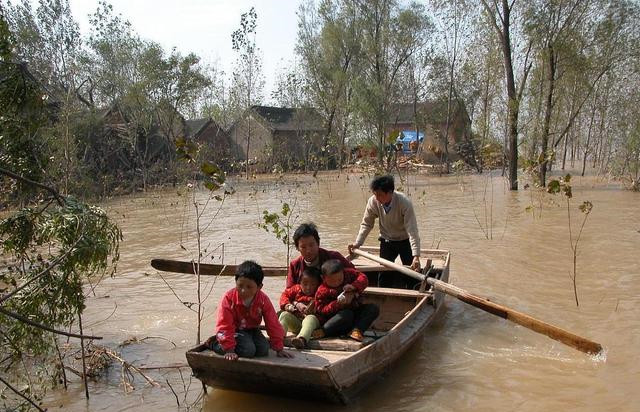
307	242
397	222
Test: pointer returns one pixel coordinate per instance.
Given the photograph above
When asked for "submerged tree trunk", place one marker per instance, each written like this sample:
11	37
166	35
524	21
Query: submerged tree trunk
503	31
544	143
586	145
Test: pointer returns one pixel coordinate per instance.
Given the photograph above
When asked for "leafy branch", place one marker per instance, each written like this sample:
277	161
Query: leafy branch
280	224
563	186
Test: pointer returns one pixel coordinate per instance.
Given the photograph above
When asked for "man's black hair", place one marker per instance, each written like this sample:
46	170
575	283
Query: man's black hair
250	270
305	229
331	266
384	183
313	273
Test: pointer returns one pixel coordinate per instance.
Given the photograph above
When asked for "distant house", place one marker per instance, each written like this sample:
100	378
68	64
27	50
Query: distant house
153	137
430	118
131	144
206	131
277	135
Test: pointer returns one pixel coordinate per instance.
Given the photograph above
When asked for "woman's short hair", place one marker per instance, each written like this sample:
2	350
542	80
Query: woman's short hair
305	229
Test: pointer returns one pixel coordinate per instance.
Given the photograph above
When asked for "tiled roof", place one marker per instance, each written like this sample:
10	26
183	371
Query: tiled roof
288	119
195	126
434	109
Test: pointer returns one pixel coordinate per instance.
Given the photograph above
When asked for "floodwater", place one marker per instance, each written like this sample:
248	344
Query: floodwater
512	247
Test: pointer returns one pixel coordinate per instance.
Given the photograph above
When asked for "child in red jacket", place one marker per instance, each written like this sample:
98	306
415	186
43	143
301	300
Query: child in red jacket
337	301
298	310
239	315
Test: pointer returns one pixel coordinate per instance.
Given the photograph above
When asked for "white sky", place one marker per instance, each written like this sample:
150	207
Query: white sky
205	26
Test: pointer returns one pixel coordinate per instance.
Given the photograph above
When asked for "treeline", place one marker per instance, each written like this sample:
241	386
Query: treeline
553	82
547	83
87	82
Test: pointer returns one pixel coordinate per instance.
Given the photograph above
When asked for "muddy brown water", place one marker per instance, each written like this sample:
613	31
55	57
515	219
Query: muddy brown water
468	359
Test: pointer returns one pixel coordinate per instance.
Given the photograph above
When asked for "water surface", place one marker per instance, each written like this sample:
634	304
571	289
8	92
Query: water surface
468	359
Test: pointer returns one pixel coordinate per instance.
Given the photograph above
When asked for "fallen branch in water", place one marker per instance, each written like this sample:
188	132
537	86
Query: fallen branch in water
126	367
169	366
23	396
174	392
135	339
98	358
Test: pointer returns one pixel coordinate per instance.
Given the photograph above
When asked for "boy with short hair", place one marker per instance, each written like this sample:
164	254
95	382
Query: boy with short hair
337	301
298	307
239	316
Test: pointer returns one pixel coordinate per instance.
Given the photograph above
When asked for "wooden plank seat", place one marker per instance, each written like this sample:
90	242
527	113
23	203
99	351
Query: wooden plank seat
333	344
370	290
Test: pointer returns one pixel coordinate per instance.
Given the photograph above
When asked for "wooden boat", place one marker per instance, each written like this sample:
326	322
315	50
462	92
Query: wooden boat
335	369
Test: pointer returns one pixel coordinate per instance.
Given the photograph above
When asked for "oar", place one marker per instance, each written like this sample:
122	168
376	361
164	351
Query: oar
554	332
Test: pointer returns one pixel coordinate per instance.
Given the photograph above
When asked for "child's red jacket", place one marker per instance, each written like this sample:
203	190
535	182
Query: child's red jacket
326	296
233	315
294	294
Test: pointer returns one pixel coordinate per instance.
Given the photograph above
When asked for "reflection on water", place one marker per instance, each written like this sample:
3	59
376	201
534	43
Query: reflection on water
468	359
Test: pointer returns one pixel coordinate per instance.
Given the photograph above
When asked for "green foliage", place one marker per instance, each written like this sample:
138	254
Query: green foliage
562	185
212	176
52	252
25	112
280	224
586	207
187	150
83	242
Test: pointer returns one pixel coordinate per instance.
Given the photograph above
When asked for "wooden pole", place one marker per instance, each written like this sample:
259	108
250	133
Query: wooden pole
554	332
391	265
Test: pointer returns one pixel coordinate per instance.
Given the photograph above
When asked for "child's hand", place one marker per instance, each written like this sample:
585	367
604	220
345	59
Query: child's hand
301	307
209	342
348	297
284	354
231	356
349	288
290	308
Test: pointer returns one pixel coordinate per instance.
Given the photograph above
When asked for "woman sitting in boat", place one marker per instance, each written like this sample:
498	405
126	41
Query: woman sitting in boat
307	242
239	315
337	302
297	306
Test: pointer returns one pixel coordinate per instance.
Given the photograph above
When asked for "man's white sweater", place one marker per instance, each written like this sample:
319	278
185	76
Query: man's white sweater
398	224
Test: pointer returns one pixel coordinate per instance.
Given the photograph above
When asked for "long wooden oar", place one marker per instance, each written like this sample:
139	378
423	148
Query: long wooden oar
554	332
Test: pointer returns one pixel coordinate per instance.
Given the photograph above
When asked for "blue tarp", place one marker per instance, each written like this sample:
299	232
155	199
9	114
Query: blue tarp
408	136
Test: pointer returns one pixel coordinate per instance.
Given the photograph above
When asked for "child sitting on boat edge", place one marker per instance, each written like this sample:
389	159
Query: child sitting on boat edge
338	305
240	313
297	304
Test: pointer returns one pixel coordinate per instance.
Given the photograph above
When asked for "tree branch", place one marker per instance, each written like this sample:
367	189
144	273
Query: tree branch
47	328
23	396
36	277
54	192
